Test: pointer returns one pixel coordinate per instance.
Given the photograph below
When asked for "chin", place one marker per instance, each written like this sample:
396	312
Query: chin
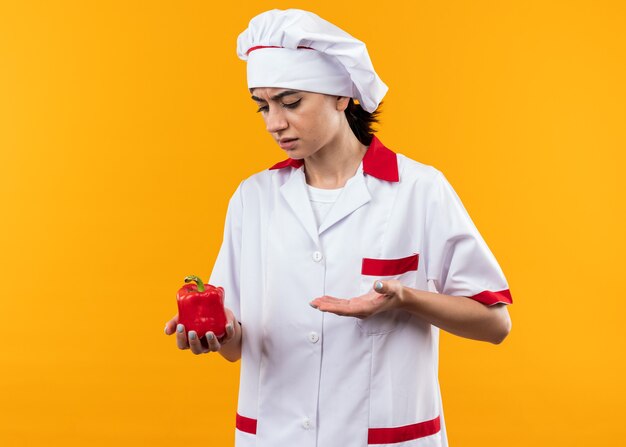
295	154
299	153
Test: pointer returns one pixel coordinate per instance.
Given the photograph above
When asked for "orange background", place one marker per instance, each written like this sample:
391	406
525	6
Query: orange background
126	125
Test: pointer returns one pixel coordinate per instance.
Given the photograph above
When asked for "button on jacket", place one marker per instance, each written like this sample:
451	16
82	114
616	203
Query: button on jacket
310	378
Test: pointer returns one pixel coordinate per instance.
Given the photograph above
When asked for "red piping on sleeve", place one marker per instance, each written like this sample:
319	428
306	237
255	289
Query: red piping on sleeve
490	298
245	424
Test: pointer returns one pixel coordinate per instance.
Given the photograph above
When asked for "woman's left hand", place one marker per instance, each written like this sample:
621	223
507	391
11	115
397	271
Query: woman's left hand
386	295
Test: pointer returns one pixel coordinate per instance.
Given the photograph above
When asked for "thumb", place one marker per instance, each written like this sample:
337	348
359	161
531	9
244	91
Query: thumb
381	286
170	326
389	287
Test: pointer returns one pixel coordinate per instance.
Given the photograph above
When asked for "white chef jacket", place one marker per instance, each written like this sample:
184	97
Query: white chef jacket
310	378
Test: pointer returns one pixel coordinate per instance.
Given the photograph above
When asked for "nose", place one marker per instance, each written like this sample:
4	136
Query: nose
275	120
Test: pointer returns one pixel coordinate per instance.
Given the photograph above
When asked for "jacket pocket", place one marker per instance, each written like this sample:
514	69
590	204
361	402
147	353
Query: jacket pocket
389	267
401	269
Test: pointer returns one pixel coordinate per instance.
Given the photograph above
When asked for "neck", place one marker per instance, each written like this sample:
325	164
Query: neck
332	165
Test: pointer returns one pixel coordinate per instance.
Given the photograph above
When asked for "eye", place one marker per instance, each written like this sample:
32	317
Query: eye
292	105
264	108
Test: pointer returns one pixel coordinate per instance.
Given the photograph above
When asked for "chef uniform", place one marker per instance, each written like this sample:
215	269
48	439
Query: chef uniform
310	378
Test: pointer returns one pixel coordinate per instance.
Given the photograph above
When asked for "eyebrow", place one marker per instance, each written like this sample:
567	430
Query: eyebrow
276	97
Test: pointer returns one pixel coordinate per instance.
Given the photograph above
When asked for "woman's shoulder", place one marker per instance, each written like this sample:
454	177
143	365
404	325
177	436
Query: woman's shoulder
412	171
259	182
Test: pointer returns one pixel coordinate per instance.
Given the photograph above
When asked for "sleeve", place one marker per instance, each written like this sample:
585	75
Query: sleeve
227	268
458	261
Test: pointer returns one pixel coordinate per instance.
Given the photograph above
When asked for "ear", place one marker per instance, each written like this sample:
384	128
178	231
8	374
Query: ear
342	103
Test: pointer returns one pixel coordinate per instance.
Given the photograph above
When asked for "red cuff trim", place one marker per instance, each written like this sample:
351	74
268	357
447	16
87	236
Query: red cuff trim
388	267
490	298
245	424
404	433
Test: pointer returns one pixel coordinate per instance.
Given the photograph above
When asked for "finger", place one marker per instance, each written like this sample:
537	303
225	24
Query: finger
324	300
181	337
230	328
214	344
170	326
392	287
230	316
380	286
389	287
194	343
230	332
335	306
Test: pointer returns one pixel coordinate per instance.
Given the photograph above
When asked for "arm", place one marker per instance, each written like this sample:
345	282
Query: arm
226	273
458	315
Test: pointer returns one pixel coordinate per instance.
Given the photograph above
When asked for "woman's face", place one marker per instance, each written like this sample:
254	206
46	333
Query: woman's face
302	123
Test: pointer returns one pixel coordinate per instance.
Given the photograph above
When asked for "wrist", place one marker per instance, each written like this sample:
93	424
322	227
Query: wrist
411	300
403	295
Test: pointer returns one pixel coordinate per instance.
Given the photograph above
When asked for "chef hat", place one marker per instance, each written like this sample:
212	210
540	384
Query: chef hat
297	49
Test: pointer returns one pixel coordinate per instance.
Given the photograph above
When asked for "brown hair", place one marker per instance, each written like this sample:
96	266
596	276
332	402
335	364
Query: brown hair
362	122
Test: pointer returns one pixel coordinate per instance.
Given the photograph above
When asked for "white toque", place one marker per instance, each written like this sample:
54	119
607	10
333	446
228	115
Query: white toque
297	49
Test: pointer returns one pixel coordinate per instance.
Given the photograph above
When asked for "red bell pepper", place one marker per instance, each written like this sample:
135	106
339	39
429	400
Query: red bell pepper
201	308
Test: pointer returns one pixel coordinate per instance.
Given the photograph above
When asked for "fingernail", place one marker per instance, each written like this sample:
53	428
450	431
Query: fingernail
229	327
313	305
180	328
192	335
378	286
209	336
165	329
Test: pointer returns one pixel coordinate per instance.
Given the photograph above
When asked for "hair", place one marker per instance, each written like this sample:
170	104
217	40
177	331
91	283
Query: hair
362	122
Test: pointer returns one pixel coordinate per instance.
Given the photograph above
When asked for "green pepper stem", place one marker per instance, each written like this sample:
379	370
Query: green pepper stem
197	280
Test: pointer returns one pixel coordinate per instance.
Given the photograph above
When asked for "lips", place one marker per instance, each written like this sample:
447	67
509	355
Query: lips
287	143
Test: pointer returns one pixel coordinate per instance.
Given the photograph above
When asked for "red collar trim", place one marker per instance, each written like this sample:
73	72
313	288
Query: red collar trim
379	161
289	162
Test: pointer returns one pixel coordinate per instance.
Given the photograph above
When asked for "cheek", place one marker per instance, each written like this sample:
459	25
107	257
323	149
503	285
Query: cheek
309	125
324	129
316	124
324	124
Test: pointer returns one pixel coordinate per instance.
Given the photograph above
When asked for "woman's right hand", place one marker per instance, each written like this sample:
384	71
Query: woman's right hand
191	340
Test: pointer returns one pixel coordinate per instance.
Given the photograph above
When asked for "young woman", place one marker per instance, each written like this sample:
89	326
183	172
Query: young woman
342	262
